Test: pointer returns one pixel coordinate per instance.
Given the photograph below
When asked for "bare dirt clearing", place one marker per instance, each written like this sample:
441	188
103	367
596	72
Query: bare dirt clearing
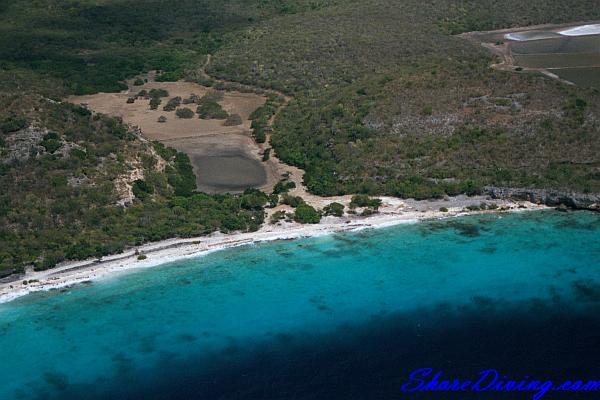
225	158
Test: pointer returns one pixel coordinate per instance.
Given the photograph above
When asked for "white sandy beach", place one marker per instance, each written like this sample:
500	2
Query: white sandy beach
393	212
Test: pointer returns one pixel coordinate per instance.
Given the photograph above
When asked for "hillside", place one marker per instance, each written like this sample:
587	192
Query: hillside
388	101
385	100
77	185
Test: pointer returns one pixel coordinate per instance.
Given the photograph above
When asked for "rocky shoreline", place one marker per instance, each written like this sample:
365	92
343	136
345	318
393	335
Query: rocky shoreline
548	197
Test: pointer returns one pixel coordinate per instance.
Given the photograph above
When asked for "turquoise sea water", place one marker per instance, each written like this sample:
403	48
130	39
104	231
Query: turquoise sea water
343	316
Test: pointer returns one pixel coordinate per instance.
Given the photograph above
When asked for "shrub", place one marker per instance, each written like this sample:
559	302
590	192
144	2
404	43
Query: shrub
185	113
138	82
335	209
211	110
11	124
51	142
141	189
154	103
233	120
306	214
283	186
192	99
443	209
131	100
162	119
158	93
367	212
253	199
293	201
363	200
277	216
172	104
259	135
266	155
141	257
273	200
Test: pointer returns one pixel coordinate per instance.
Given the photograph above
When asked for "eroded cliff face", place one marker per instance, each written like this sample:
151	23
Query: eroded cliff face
549	197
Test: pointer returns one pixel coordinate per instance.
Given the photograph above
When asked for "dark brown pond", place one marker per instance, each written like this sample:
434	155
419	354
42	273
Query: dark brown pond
228	173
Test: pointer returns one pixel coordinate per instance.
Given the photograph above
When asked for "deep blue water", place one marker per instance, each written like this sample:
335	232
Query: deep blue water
347	316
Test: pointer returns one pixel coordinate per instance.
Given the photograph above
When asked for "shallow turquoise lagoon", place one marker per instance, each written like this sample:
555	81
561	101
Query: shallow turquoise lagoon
341	316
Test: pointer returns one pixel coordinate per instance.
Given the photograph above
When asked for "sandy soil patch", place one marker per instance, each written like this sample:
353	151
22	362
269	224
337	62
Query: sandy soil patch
225	158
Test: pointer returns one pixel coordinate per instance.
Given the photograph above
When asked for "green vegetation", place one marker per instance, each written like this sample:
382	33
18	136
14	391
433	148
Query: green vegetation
51	142
306	214
185	113
209	108
12	124
141	190
385	101
94	45
292	201
154	103
277	216
158	93
61	201
283	186
335	209
173	103
362	200
266	154
401	107
261	116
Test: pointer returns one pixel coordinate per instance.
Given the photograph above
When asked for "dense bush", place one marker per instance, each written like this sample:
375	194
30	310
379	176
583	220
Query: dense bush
306	214
141	189
293	201
401	107
283	186
335	209
211	110
266	154
184	113
44	219
173	103
363	200
154	103
13	124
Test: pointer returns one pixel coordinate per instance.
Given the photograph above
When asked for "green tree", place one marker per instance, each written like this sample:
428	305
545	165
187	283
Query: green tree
335	209
306	214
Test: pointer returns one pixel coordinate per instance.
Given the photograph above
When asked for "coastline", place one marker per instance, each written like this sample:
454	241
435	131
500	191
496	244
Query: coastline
392	212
